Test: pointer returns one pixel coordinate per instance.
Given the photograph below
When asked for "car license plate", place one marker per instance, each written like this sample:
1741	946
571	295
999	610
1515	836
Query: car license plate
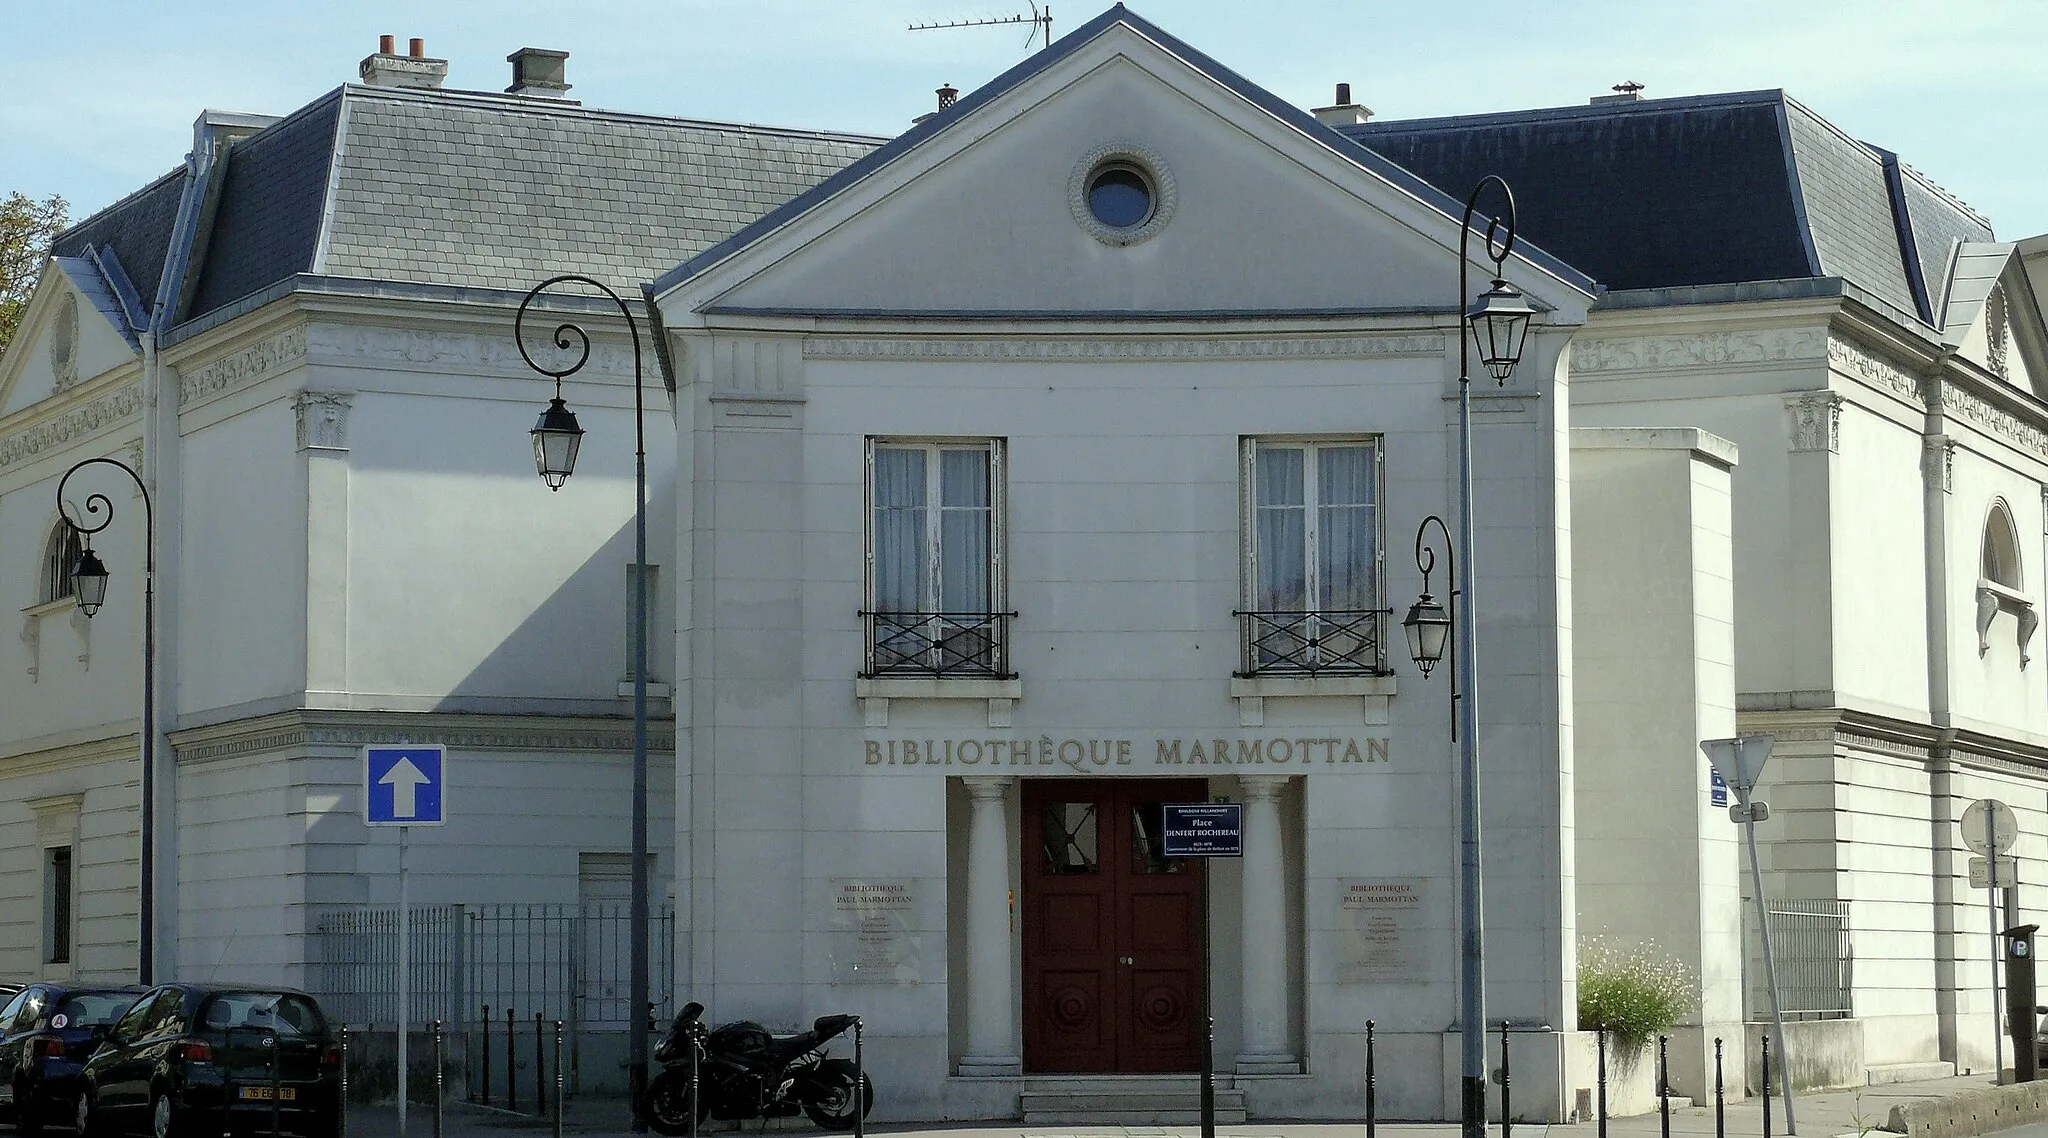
262	1094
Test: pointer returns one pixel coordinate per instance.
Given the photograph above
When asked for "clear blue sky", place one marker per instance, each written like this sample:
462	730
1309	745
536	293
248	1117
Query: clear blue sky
104	93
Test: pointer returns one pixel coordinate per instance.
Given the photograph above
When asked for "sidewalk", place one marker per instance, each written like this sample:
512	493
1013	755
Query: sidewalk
1820	1114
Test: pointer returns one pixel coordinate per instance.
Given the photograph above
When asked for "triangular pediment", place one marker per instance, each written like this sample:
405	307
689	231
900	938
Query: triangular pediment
1993	316
1254	209
77	327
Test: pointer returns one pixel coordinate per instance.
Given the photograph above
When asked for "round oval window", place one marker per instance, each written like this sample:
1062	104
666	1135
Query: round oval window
1120	197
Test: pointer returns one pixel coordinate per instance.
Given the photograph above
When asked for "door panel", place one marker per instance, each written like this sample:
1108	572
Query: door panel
1112	935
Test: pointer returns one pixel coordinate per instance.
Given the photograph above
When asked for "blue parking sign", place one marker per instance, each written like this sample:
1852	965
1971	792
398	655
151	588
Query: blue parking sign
405	785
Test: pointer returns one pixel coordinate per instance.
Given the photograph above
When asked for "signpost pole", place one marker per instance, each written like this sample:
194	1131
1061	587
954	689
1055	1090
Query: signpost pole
404	973
1731	759
1991	908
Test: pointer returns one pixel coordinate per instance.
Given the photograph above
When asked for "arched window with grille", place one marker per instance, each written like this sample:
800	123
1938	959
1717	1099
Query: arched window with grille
60	557
2001	580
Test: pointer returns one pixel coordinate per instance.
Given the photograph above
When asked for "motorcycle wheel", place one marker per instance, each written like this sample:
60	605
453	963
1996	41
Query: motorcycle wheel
668	1104
828	1095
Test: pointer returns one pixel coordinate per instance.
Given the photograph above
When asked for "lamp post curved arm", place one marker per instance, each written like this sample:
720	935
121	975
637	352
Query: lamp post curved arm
96	513
1429	626
556	439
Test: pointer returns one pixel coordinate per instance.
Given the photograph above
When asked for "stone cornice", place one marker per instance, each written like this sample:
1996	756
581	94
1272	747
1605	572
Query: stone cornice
242	367
433	349
1958	402
1875	371
330	730
64	427
1898	738
1092	349
115	748
1715	349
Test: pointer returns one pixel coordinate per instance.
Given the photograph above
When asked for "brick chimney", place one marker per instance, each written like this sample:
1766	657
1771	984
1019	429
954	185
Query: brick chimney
1345	112
539	72
389	69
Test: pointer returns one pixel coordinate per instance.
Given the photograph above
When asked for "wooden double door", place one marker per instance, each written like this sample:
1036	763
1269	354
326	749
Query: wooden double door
1112	930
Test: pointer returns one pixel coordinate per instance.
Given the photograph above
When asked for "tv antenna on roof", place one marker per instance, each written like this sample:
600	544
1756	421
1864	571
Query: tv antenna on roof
1039	17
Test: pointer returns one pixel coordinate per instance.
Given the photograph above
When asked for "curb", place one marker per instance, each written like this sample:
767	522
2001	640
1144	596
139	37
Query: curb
1972	1112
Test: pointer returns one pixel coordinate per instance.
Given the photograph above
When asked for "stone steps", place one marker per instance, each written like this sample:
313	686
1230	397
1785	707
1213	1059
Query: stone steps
1132	1100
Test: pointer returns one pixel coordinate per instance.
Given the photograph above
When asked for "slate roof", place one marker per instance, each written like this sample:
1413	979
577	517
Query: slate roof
463	189
1714	189
137	228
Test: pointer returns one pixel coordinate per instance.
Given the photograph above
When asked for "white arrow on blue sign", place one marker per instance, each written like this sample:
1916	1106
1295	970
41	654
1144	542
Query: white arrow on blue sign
405	785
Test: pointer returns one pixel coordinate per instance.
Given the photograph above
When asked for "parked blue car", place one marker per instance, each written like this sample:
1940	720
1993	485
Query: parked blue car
47	1031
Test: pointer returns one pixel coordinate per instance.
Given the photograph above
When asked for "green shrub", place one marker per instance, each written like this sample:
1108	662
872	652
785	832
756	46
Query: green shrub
1635	993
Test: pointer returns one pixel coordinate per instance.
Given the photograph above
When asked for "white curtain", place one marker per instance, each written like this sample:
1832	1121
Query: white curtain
1281	523
964	531
901	564
1345	527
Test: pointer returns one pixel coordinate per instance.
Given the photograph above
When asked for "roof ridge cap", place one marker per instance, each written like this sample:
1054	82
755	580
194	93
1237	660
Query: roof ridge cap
527	105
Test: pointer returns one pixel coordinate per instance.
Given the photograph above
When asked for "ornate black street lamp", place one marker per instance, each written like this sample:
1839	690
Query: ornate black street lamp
556	439
89	587
1498	324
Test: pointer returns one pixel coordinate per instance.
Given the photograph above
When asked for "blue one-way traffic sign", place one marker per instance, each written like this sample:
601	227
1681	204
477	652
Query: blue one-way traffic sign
405	785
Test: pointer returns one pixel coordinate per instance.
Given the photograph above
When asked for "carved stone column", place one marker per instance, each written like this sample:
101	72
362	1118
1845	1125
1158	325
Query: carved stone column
1264	1049
991	986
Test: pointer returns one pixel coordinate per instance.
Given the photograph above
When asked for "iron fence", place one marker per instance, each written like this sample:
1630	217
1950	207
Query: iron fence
1816	966
938	644
569	962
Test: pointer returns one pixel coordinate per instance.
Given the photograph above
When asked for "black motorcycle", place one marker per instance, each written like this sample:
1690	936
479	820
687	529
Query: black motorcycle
745	1072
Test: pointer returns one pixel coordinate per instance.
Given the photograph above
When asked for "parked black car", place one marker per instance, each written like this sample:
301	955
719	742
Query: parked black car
46	1033
198	1058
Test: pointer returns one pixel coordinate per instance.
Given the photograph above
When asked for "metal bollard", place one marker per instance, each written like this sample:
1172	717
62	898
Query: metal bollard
558	1079
1720	1103
343	1130
484	1092
1601	1109
1507	1121
697	1052
1767	1086
860	1085
1372	1087
511	1063
540	1072
1664	1084
440	1085
276	1078
1209	1081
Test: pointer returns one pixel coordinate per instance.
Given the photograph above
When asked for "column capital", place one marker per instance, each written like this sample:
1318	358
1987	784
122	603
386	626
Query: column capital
988	787
1261	787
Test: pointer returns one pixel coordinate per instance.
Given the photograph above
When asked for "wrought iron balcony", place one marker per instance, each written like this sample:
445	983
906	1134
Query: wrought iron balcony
940	645
1334	642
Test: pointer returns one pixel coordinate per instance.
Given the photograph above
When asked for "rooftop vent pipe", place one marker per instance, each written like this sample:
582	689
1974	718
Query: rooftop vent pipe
1628	91
1345	112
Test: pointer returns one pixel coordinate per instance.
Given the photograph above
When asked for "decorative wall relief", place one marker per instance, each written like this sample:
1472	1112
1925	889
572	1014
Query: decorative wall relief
64	344
846	348
1875	371
32	639
323	419
1704	349
109	409
1816	418
241	368
1938	462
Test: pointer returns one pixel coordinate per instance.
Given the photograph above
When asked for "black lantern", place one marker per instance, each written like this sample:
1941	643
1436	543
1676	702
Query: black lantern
89	582
556	438
1500	322
1429	628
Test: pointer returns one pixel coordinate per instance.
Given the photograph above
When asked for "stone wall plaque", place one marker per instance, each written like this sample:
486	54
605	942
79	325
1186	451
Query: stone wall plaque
1382	934
873	935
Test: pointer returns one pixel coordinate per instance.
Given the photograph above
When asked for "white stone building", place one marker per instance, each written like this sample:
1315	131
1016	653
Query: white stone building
1009	473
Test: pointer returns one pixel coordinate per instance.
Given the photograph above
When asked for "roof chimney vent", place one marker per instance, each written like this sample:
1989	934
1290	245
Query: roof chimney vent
1345	112
389	69
1627	91
539	72
948	95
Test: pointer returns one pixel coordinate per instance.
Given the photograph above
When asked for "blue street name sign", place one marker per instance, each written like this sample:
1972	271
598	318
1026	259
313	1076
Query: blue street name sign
405	785
1718	790
1203	829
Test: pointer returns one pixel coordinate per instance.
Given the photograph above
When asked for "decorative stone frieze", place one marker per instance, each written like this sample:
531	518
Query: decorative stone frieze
268	736
455	351
115	406
1874	371
1961	403
1702	349
241	368
1997	334
1816	418
847	348
323	419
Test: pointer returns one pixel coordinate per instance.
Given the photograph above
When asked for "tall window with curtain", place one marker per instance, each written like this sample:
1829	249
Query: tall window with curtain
935	583
1312	557
60	559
